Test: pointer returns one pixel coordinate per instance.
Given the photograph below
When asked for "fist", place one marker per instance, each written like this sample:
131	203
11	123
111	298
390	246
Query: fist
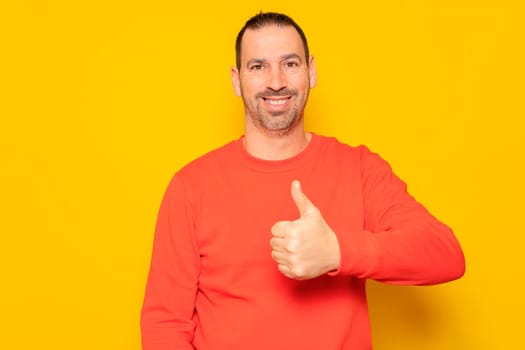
307	247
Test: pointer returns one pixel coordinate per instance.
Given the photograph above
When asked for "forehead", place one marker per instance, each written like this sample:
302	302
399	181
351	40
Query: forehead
271	41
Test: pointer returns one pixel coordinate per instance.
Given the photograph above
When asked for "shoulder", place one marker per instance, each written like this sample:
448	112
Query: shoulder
199	174
356	158
212	160
332	146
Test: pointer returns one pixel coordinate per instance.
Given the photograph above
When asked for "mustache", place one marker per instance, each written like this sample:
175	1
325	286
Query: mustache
278	93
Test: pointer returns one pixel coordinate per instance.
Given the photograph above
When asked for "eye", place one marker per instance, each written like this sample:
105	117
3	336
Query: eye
291	64
256	67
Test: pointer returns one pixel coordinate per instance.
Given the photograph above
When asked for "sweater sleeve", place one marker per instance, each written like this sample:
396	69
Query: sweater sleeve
169	302
402	243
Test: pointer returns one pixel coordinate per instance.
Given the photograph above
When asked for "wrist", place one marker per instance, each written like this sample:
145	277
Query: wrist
335	252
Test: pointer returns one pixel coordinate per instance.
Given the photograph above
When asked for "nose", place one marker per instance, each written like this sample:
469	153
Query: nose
276	79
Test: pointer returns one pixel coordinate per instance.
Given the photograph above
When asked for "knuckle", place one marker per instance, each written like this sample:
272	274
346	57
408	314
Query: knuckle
298	271
293	244
295	261
297	268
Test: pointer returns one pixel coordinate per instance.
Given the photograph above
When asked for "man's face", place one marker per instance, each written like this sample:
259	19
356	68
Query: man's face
274	78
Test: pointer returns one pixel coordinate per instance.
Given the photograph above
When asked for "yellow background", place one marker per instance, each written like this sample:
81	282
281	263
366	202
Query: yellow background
102	101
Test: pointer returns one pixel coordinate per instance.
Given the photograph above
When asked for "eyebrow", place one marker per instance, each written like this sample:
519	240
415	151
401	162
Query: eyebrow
255	61
282	58
290	56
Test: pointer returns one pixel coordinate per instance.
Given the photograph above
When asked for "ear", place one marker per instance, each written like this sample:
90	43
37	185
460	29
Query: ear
236	80
312	71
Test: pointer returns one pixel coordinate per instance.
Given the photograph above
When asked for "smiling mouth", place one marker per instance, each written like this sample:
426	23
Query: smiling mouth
277	101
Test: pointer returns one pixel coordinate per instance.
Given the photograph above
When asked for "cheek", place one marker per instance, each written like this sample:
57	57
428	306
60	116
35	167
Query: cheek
254	84
300	82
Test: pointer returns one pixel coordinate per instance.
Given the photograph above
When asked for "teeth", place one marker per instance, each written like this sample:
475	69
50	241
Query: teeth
277	102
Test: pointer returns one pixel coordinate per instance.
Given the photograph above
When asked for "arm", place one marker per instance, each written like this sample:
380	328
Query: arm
169	302
402	242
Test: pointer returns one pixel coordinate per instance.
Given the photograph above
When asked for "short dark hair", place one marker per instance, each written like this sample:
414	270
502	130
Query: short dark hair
264	19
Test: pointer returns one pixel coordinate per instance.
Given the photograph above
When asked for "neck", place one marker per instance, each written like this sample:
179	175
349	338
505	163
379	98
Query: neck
276	147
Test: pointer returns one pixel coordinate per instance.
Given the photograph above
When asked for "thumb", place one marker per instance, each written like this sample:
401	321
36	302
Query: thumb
302	202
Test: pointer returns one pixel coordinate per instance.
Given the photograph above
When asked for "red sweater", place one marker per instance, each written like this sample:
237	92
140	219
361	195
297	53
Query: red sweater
213	284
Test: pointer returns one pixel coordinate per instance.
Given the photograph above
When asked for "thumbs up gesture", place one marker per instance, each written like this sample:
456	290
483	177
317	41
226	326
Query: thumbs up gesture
307	247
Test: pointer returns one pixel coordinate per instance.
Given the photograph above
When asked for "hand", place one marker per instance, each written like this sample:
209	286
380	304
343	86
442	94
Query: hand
307	247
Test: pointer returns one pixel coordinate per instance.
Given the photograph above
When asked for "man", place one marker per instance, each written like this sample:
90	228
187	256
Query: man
266	242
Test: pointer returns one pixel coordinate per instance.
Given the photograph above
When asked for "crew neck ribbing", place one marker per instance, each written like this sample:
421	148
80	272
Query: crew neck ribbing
287	164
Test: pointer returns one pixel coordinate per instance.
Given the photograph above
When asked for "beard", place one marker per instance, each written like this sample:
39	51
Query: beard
276	123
